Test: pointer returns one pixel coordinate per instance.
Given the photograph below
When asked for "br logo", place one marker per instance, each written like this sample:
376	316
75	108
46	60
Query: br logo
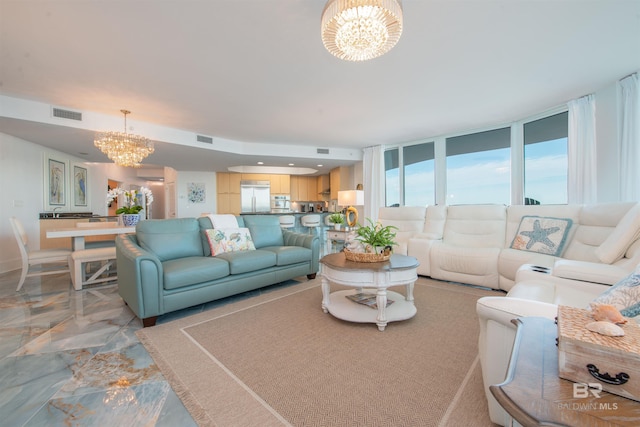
582	390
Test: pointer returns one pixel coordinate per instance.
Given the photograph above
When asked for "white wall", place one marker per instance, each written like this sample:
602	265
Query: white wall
186	209
22	191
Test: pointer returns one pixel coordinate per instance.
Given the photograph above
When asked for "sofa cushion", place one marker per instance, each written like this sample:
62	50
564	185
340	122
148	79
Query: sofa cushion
626	232
246	261
265	230
624	295
193	270
287	255
545	235
475	226
170	238
223	240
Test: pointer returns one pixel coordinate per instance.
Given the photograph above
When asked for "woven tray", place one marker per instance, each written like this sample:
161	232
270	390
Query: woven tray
365	257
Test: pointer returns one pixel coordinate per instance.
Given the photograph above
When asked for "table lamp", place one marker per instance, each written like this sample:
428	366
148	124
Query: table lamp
349	199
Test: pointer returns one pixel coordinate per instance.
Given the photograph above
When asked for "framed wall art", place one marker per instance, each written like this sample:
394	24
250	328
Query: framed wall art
56	184
196	192
80	187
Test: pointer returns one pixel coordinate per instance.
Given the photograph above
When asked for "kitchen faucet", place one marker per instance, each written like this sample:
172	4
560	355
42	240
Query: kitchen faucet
56	215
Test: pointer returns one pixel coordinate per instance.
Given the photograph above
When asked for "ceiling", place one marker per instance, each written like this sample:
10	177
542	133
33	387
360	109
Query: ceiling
254	75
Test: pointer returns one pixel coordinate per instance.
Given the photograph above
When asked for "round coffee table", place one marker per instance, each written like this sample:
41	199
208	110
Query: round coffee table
374	277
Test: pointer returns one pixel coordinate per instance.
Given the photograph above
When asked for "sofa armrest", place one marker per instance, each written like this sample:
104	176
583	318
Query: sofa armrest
496	338
310	241
140	277
583	271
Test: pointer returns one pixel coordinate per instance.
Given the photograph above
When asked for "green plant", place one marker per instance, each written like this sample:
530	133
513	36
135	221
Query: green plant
376	235
336	218
128	210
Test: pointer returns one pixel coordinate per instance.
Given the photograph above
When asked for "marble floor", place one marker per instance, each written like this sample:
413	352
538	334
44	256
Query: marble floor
71	358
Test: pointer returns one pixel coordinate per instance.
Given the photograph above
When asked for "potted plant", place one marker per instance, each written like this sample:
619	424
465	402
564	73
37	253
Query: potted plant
337	219
130	210
375	237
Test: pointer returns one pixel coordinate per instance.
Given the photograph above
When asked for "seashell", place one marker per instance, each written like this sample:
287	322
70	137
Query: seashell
608	313
605	328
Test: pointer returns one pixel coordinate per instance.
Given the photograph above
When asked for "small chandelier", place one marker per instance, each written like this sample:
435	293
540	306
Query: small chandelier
357	30
125	149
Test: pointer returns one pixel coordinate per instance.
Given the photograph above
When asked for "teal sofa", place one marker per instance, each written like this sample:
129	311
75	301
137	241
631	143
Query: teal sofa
167	264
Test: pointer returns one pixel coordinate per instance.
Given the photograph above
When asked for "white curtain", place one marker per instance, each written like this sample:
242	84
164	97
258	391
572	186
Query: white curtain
582	151
374	189
629	138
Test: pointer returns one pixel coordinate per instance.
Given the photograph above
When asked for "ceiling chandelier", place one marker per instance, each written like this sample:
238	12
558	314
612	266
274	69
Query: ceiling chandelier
125	149
357	30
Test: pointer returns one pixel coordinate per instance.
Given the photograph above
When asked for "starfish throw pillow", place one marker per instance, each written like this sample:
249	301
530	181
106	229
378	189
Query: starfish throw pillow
544	235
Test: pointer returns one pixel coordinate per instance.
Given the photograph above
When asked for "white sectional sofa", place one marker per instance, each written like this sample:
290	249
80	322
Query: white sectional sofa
473	243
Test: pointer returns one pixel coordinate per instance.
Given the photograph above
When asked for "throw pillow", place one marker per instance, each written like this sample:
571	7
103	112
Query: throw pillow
624	295
544	235
223	240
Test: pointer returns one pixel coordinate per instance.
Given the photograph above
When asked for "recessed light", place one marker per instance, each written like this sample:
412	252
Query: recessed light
319	166
291	164
261	163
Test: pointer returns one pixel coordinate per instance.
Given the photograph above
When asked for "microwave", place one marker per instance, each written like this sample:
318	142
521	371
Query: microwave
280	203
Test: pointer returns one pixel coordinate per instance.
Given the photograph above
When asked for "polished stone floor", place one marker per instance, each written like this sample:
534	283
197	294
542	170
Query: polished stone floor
71	358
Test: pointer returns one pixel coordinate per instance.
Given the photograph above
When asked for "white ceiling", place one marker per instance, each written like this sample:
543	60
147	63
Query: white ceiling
255	72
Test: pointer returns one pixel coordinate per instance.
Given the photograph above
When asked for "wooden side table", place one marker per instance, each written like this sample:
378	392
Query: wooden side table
534	395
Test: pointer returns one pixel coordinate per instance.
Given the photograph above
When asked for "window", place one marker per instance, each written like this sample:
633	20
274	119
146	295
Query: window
392	177
414	183
419	175
545	160
479	168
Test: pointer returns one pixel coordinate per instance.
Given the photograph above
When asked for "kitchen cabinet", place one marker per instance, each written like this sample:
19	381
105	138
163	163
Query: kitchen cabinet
304	189
322	185
255	177
340	179
312	188
228	194
280	184
228	183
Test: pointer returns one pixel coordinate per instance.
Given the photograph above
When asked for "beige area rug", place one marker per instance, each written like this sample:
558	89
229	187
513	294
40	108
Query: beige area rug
277	359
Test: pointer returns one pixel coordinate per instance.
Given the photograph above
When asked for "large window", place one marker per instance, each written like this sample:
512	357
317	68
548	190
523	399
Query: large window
545	160
479	168
414	183
476	168
392	177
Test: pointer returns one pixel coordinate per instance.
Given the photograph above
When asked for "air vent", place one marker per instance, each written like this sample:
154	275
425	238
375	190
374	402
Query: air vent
66	114
205	139
322	151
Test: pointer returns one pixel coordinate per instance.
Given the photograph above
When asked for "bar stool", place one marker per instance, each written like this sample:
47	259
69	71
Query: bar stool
311	222
287	221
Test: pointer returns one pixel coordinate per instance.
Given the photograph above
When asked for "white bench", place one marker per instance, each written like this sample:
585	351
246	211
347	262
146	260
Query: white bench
81	257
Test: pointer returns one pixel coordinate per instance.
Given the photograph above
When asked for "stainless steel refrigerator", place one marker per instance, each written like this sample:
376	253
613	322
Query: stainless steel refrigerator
255	196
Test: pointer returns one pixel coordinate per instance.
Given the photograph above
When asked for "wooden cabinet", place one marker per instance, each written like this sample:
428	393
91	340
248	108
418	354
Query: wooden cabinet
334	178
312	188
255	177
228	192
280	184
340	179
304	188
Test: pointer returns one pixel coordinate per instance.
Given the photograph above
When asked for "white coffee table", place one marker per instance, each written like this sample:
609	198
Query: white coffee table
375	278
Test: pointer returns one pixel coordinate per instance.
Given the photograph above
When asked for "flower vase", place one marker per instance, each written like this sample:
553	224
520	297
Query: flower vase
129	220
337	227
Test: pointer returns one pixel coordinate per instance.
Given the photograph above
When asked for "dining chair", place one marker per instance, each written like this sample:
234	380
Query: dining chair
38	258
